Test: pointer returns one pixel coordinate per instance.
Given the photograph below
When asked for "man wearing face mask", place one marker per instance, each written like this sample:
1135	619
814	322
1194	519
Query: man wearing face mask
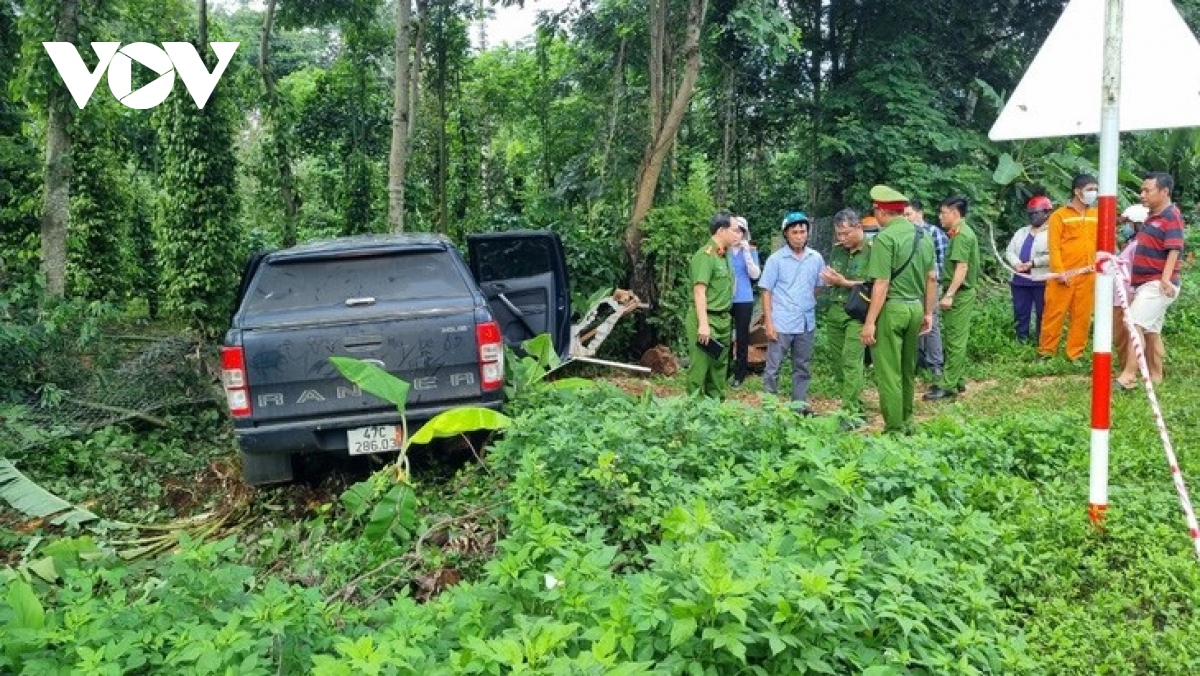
1070	289
1029	255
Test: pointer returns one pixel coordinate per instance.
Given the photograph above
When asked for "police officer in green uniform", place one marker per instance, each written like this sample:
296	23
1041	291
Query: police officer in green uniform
709	315
847	265
958	298
902	299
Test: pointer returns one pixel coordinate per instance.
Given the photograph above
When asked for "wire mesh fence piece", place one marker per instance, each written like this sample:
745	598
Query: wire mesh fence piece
136	378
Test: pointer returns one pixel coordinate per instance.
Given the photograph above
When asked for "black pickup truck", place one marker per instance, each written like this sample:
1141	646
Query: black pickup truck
408	303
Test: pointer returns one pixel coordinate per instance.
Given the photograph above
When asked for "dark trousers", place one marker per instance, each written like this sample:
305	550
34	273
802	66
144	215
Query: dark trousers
741	336
1027	300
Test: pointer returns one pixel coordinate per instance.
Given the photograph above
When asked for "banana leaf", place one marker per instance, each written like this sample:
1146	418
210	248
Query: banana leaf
36	502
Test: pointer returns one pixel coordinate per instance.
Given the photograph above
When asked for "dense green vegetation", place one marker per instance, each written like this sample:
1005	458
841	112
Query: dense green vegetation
623	531
615	529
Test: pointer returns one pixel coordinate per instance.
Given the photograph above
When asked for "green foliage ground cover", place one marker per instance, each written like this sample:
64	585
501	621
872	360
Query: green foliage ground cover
612	532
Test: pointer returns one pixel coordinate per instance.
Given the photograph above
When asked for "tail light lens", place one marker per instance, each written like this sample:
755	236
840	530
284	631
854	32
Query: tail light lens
233	377
491	355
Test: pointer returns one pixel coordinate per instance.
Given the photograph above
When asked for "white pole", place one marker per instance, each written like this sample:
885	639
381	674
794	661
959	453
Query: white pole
1105	241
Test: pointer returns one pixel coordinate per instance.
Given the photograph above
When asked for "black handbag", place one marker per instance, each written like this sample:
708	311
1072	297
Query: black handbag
860	294
859	301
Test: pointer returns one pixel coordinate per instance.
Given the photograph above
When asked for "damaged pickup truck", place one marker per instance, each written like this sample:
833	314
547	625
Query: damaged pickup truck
407	303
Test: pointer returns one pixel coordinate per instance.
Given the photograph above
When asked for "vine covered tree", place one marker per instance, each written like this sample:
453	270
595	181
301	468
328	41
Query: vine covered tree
198	252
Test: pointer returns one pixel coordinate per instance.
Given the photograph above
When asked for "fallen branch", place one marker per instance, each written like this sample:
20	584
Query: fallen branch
350	587
124	412
412	558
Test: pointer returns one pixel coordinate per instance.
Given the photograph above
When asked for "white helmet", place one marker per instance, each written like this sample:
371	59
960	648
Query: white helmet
1136	213
741	223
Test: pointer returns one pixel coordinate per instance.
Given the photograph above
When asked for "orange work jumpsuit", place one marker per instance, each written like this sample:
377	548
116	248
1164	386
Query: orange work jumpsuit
1072	246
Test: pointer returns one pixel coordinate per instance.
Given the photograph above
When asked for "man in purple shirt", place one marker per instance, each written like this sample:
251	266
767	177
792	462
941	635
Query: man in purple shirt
1154	275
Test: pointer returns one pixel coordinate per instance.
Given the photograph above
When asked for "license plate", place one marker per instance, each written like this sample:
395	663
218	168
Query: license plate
374	439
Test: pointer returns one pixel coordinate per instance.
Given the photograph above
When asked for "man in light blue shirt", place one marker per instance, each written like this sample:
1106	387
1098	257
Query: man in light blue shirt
789	283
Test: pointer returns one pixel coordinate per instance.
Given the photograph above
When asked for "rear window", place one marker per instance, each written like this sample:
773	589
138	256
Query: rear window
333	281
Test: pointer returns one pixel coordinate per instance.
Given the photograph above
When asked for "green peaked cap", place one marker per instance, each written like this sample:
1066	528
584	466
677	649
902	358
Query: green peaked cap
882	193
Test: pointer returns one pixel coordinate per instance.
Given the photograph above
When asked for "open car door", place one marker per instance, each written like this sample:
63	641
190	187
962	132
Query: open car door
523	275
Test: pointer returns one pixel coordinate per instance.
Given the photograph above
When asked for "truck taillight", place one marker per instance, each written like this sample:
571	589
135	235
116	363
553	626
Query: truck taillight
233	377
491	355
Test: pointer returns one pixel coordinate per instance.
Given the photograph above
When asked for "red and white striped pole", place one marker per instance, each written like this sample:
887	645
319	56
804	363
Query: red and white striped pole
1106	235
1121	272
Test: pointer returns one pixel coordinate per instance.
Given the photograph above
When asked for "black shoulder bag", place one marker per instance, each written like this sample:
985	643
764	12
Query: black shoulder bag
860	294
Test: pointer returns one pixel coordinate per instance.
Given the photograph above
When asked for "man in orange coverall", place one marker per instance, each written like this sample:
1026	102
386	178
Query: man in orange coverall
1069	291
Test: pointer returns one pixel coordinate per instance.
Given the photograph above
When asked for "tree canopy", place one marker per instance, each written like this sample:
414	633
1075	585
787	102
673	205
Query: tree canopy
796	104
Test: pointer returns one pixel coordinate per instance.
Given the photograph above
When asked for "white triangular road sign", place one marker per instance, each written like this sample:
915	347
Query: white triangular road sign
1060	93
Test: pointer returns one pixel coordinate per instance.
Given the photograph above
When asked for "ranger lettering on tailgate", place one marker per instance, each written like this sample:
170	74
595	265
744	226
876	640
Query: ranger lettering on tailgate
425	384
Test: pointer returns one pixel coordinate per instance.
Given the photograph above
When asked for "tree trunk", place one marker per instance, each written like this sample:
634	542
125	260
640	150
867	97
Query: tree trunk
462	168
414	99
614	112
280	141
663	131
989	53
398	156
544	38
56	188
443	65
202	47
816	62
727	137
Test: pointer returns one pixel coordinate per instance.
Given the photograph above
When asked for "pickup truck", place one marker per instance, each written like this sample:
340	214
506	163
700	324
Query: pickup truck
408	303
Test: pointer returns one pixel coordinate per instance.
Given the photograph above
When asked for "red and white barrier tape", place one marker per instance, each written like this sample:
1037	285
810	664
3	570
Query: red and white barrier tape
1104	258
1040	277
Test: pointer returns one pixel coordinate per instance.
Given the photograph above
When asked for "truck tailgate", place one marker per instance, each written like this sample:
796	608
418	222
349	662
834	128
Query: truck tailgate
290	375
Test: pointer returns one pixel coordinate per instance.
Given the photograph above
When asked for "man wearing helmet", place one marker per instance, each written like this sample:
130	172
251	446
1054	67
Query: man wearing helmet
1029	255
789	282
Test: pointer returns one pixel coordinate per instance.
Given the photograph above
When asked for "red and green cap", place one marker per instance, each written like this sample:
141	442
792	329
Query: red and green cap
887	198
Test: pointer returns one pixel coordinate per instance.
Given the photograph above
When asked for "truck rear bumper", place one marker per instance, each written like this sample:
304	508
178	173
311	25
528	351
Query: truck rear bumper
329	434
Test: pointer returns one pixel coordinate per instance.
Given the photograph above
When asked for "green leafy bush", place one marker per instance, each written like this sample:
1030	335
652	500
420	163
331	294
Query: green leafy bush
681	535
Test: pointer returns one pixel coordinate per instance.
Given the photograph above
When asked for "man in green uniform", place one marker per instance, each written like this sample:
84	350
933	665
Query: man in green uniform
902	298
958	299
847	264
708	317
